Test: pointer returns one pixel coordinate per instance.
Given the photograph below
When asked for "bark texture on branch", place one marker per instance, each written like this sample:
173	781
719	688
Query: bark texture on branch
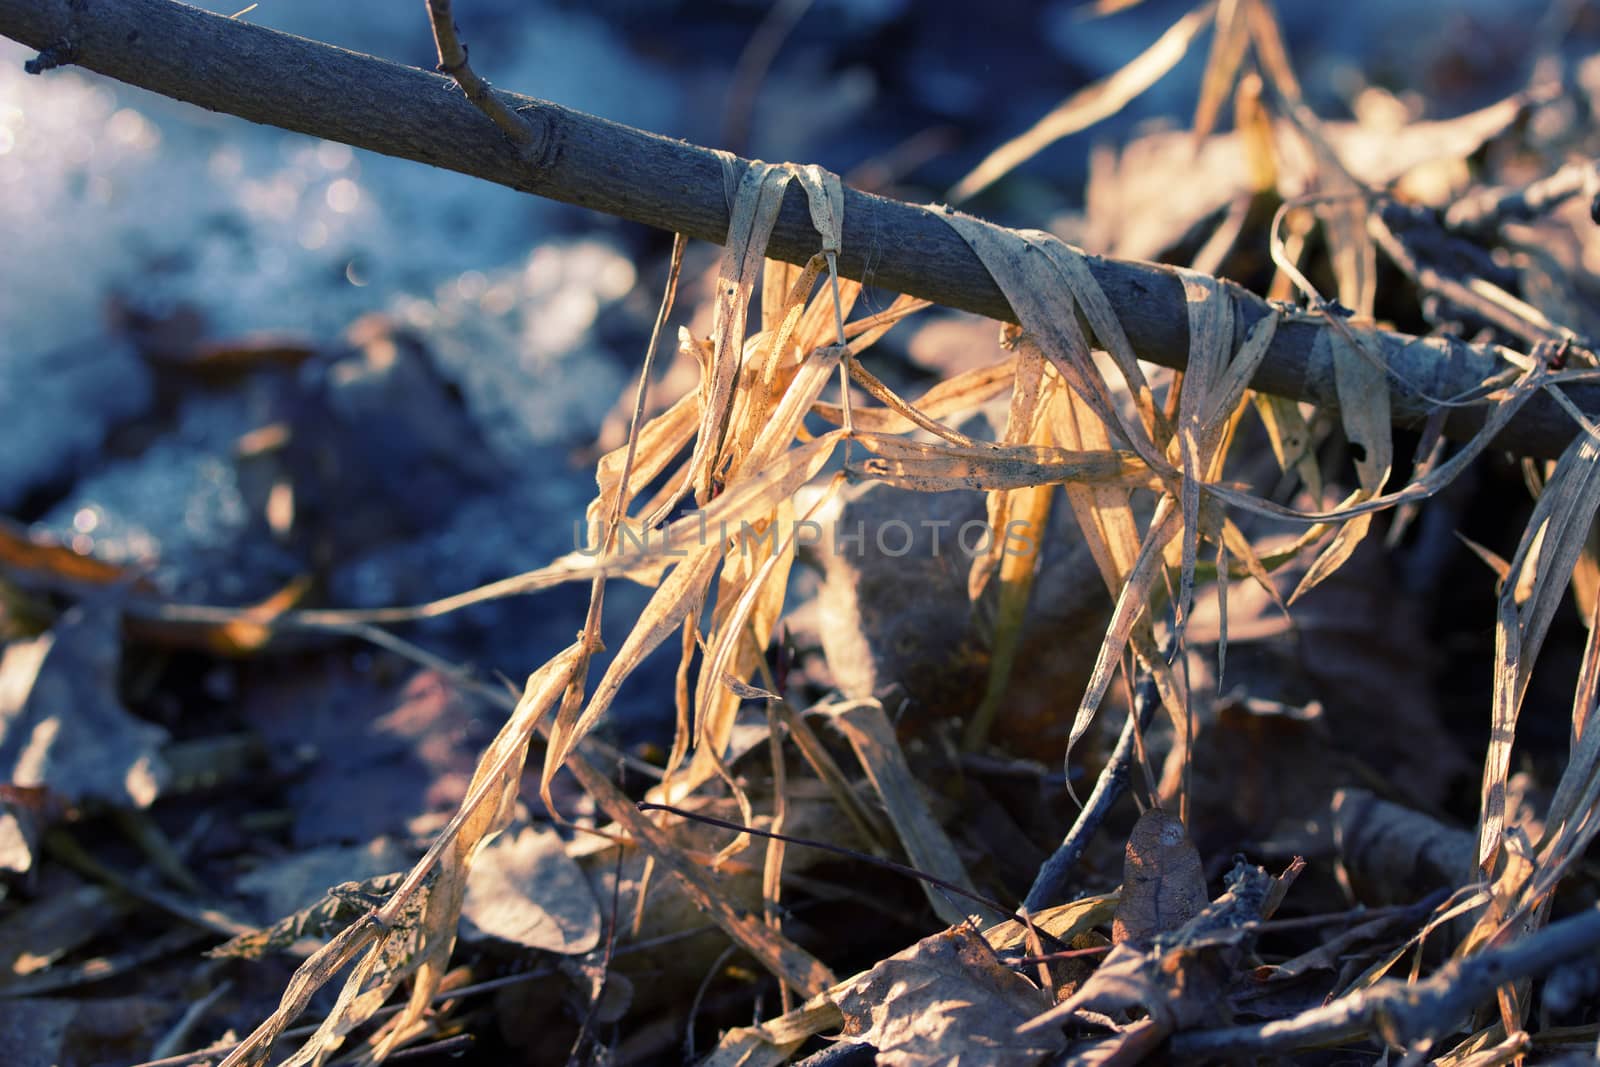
232	66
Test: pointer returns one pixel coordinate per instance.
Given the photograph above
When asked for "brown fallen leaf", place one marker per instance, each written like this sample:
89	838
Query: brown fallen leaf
1181	980
66	915
1163	883
27	554
524	888
946	999
1391	854
52	1031
1136	209
62	725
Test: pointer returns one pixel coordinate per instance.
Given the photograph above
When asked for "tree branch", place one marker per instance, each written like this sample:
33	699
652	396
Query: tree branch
259	74
1406	1013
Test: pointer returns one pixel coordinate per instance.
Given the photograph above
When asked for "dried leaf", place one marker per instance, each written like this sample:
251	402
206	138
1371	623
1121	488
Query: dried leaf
1222	65
1062	922
1139	212
1163	884
946	997
65	917
1182	979
1012	562
524	888
62	725
30	553
1392	854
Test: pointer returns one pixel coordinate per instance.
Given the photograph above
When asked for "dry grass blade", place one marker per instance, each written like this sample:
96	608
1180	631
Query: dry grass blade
749	600
1540	571
1290	437
309	977
1047	302
1027	512
1131	604
413	932
1503	406
754	604
756	564
1075	277
1085	108
755	212
1360	379
1104	515
673	600
1209	407
1222	65
658	442
1210	337
487	809
926	844
935	468
1048	283
1024	426
953	396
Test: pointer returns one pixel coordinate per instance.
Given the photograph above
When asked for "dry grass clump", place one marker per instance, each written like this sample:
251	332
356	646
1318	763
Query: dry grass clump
1150	468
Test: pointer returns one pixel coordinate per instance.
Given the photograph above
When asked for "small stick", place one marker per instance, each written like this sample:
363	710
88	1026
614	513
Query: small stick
1483	210
1408	1013
453	61
1484	299
1108	789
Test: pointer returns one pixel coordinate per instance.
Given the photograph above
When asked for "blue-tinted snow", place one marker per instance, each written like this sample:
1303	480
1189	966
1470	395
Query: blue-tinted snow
110	192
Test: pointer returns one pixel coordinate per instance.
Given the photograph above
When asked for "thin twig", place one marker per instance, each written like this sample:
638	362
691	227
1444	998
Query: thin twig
177	1036
605	964
699	997
453	62
446	1048
1402	1013
839	850
1108	789
1065	954
1482	298
1483	211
